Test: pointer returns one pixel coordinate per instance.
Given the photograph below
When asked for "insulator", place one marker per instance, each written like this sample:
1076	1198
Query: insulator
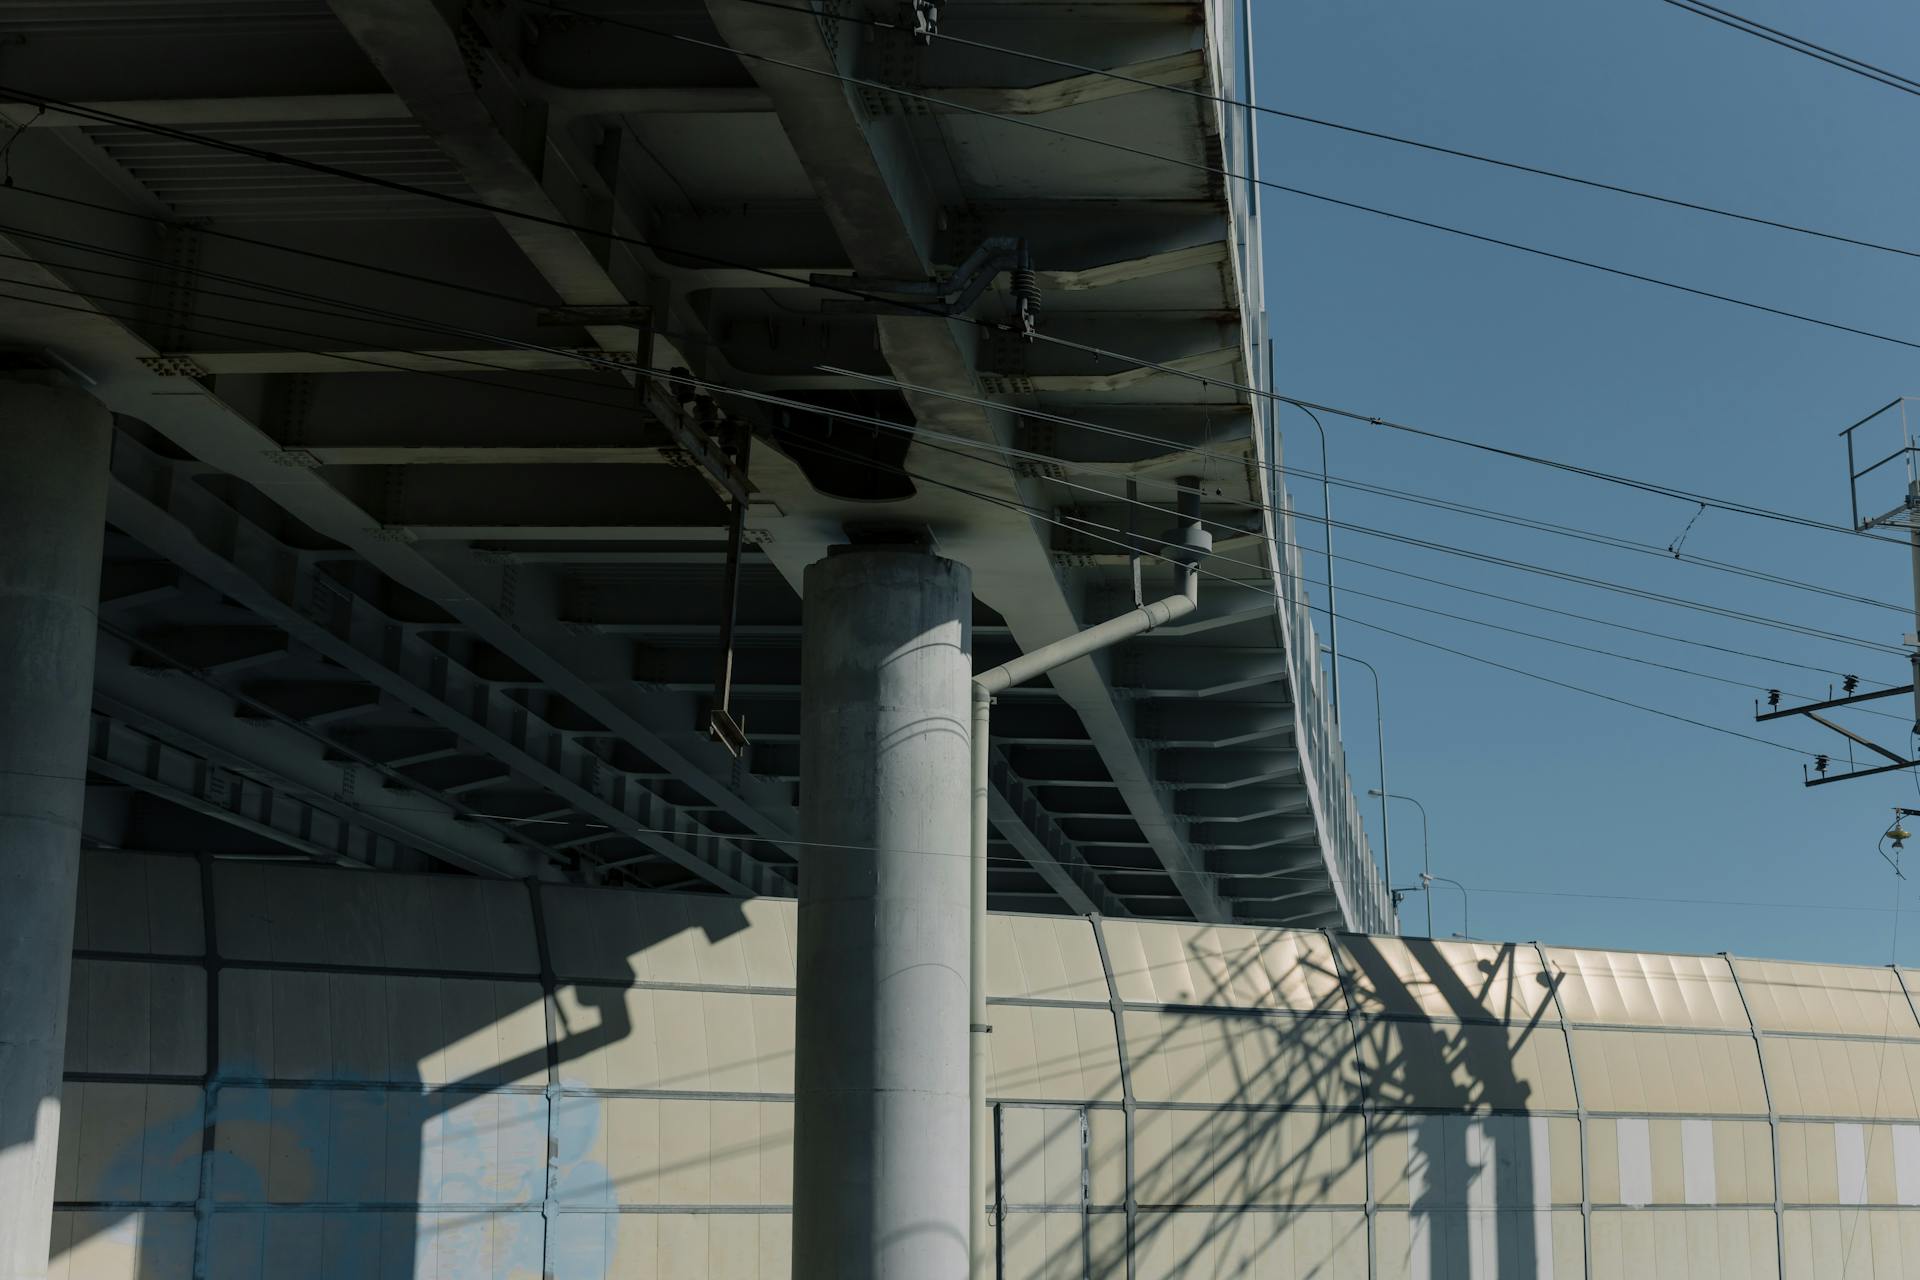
1820	764
1026	286
926	20
1773	697
1850	683
1026	289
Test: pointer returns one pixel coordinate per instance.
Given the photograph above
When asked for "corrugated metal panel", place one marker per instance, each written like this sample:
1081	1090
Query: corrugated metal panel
1465	1245
1293	1159
140	905
1684	1244
1469	1067
1157	963
314	915
1201	1246
1743	1162
1042	1053
132	1018
1669	1073
681	1041
1868	1079
1632	988
630	937
1239	1060
1044	958
148	1245
350	1092
1852	1244
1446	979
1551	1148
1826	999
1839	1164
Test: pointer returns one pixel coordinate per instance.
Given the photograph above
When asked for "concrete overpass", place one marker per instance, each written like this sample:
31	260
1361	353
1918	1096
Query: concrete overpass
417	377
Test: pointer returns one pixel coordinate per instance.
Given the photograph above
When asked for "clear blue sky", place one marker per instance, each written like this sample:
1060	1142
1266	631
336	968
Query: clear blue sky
1530	787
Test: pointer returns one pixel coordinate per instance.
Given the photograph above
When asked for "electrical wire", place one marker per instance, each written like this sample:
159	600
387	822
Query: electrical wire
790	403
1170	444
1219	171
1124	543
1021	863
1796	44
1016	862
1223	100
1353	415
1464	655
878	423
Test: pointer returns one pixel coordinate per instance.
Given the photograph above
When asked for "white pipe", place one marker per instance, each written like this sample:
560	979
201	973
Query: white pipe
1102	635
978	1161
1137	621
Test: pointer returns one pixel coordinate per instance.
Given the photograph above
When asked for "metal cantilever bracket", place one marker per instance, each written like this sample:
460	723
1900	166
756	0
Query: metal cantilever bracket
722	727
1812	712
955	292
926	21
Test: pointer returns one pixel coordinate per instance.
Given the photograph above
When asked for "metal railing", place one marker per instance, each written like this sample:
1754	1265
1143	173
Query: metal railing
1365	901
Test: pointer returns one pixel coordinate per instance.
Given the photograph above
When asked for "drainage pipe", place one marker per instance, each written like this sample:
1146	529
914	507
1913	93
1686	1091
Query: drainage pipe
1185	546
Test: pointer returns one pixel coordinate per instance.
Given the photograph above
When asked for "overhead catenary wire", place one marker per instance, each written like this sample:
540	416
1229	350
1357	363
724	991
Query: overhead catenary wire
878	423
884	424
947	37
440	327
1253	180
1124	543
1796	44
1019	863
1469	655
842	288
1172	445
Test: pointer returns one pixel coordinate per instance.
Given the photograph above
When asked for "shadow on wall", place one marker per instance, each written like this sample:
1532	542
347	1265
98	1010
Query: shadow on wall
381	1076
1262	1115
409	1078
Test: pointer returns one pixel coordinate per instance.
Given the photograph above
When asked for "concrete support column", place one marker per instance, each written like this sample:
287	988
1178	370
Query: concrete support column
880	1110
54	446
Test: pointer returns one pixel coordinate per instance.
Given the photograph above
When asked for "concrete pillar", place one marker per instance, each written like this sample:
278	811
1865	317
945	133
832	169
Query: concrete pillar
53	494
880	1108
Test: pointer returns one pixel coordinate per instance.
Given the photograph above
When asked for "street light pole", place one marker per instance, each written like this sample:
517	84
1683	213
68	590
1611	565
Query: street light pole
1380	742
1466	916
1326	524
1426	864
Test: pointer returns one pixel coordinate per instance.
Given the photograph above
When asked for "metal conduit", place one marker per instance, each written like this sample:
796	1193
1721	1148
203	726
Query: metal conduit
1190	542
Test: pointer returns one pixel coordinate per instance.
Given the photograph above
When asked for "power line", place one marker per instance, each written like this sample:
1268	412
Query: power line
1428	544
391	184
1080	68
1021	863
1463	508
1222	172
1796	44
1126	544
424	325
920	433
